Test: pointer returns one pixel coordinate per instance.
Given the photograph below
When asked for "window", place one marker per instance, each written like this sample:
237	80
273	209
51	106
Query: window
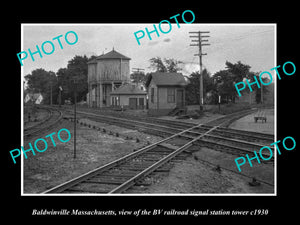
171	95
152	95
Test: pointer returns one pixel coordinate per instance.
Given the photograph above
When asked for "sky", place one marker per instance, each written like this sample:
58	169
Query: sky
252	44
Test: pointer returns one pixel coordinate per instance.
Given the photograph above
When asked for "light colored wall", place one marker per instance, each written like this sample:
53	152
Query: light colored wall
124	99
92	72
154	104
162	101
113	70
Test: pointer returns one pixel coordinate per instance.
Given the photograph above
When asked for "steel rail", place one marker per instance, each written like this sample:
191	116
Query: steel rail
46	124
77	180
41	122
156	165
176	150
218	137
146	125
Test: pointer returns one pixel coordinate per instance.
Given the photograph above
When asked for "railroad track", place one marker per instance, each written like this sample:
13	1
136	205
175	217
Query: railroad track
54	117
121	174
166	128
223	139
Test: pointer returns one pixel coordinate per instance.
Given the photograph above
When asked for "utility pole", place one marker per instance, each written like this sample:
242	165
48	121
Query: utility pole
261	95
51	92
137	71
199	38
75	100
59	96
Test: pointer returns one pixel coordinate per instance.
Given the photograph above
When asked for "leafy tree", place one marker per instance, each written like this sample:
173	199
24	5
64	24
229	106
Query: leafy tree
42	81
224	81
158	65
64	81
138	77
192	89
77	70
255	87
172	65
238	70
167	65
234	73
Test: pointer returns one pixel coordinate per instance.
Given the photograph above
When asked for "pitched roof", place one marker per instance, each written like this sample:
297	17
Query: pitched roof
113	55
110	55
166	79
129	89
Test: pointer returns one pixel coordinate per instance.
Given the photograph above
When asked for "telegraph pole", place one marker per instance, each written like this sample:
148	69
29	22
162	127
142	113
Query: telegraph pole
199	39
262	95
51	92
75	100
137	71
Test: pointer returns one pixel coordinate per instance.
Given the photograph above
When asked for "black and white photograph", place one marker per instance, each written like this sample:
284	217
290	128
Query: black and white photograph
144	114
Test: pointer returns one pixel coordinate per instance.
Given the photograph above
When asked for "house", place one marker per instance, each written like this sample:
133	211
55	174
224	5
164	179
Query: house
132	96
166	92
35	98
106	73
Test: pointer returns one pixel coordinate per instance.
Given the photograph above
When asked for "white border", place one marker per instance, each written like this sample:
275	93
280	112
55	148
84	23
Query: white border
166	194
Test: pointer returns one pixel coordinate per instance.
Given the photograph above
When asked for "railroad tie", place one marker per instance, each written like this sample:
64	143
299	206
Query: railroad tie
169	146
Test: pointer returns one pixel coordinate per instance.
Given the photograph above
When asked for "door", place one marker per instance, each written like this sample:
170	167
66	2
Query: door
180	98
141	103
132	103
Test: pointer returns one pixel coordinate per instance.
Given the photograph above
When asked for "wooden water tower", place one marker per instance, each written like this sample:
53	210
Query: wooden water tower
106	73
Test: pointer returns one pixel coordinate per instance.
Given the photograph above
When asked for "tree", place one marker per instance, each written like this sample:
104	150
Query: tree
77	69
238	70
64	81
172	65
167	65
234	73
44	82
158	65
138	77
225	79
255	87
41	80
192	89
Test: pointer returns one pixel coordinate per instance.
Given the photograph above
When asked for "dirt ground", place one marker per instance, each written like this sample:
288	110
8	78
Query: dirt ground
93	149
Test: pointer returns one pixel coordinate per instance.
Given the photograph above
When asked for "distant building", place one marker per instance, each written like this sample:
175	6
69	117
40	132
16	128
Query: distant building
106	73
132	96
35	98
166	91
